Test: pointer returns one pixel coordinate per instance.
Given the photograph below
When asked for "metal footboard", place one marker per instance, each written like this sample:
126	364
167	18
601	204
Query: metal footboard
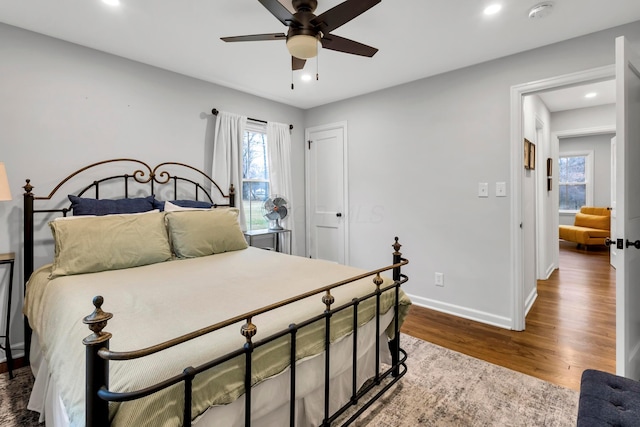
98	354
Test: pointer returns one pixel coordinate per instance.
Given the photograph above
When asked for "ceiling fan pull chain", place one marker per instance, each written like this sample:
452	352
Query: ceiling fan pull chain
291	79
317	66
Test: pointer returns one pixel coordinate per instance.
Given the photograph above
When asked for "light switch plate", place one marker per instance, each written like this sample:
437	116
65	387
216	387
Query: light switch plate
483	189
501	189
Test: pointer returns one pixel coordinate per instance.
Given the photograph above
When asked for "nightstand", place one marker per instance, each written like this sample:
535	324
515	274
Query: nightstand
275	234
8	259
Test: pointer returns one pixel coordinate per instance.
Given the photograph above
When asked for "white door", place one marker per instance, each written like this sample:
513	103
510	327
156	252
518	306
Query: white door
327	202
613	250
627	210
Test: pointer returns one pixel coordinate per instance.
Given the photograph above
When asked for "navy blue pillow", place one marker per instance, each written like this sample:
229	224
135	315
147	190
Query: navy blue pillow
85	206
157	204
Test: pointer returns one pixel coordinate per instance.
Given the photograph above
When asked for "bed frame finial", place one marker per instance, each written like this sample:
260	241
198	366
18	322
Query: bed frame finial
97	321
28	187
397	247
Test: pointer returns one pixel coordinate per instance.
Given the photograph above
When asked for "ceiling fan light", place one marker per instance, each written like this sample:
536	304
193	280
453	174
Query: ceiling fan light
303	46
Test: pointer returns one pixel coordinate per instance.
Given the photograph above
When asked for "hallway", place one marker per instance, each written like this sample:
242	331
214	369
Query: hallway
571	326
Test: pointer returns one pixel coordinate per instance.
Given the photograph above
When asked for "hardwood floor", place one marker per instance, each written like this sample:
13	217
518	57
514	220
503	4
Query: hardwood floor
571	326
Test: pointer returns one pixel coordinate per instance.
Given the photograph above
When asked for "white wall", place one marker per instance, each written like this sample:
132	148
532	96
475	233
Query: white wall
63	106
538	212
417	153
583	118
578	121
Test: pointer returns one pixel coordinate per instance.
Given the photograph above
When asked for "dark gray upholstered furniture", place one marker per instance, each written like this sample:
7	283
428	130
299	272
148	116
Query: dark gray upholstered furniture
608	400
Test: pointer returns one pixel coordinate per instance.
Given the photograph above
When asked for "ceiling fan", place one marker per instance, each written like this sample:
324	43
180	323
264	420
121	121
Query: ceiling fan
307	29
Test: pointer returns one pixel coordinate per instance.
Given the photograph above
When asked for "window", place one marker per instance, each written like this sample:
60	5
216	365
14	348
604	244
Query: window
255	175
575	181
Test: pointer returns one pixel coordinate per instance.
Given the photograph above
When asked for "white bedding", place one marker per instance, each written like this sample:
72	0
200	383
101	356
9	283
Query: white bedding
189	294
270	398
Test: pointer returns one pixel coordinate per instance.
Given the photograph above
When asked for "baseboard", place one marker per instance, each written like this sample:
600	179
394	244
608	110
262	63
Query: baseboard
17	350
464	312
549	271
530	300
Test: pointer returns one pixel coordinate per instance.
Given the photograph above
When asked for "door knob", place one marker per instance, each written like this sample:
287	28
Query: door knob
635	244
339	214
608	242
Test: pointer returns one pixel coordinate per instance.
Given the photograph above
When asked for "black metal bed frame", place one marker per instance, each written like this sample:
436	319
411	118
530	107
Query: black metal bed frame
98	354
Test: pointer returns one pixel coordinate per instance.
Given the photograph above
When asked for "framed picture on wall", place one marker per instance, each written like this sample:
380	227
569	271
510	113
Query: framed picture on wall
532	155
527	153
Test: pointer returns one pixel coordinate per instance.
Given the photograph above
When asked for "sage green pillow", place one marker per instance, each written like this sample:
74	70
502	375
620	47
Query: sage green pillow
111	242
207	232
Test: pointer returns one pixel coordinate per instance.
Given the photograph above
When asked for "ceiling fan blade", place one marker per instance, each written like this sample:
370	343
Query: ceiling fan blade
340	44
297	63
279	11
341	14
255	37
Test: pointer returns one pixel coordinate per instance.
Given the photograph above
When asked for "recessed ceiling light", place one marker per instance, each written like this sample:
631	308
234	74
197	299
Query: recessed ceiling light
591	95
540	10
305	77
111	2
492	9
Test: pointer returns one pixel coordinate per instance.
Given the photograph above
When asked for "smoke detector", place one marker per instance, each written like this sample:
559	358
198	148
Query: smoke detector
540	10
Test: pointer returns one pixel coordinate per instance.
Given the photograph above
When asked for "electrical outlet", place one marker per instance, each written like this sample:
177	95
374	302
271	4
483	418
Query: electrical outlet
439	279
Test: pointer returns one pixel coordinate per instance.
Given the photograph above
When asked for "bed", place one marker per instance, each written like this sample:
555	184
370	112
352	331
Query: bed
189	325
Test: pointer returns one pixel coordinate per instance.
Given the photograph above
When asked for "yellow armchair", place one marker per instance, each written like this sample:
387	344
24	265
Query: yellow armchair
591	226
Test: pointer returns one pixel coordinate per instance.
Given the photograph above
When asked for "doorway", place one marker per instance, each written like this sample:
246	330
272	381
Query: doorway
521	229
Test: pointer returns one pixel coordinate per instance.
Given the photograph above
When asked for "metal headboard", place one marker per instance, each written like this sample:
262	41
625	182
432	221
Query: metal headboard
142	174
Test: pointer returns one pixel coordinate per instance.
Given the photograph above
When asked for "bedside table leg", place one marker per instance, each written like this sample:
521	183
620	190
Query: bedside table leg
7	343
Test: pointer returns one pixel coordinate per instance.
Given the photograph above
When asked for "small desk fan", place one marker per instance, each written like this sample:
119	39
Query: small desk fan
275	209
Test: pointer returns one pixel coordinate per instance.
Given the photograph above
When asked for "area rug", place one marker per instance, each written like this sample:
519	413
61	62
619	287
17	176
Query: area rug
441	388
14	396
446	388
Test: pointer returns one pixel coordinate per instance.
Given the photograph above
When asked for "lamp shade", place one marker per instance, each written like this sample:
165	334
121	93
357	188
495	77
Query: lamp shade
303	46
5	191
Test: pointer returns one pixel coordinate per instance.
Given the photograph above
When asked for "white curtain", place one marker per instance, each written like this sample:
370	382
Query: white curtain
279	154
227	156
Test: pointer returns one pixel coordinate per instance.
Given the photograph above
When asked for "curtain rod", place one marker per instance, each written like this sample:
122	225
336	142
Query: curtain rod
215	113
